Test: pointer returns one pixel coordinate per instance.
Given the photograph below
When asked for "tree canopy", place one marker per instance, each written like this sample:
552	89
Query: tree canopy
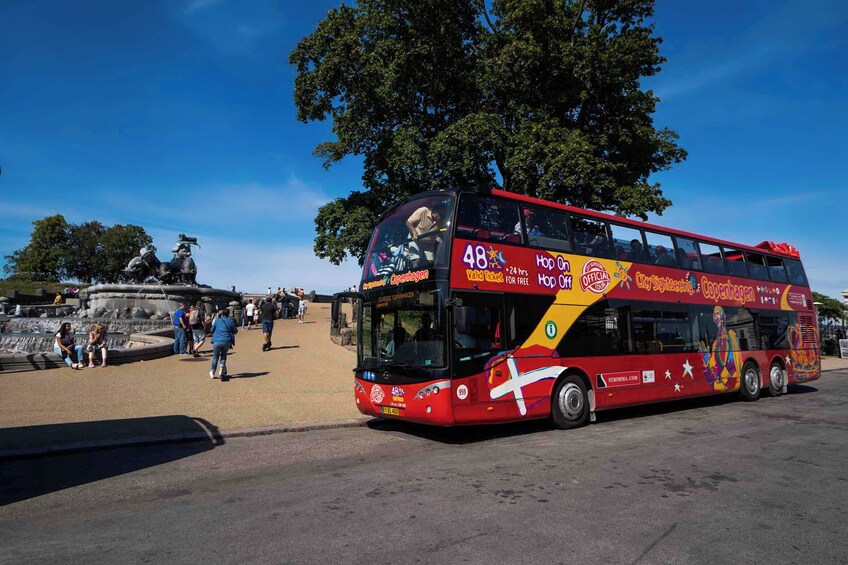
87	252
538	97
830	308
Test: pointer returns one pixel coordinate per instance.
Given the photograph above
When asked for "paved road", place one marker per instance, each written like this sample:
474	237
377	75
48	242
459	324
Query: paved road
708	481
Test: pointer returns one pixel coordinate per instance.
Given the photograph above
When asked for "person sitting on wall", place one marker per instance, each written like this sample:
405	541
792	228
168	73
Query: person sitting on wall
58	300
96	342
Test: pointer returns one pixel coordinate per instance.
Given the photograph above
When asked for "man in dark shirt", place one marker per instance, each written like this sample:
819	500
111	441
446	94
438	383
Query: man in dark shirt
267	314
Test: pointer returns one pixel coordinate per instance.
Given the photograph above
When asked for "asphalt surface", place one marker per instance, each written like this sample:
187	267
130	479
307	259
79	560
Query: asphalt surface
704	481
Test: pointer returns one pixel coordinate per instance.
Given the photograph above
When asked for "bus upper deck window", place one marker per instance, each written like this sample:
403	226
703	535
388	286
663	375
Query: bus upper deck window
795	272
757	266
711	257
776	270
590	236
735	261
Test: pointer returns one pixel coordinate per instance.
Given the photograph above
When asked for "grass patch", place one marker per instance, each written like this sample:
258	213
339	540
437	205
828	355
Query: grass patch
29	287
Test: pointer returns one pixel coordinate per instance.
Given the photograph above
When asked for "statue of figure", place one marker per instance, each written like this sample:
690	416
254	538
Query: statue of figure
180	269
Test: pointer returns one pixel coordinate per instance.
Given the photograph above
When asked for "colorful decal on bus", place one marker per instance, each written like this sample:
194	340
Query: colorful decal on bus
804	358
723	359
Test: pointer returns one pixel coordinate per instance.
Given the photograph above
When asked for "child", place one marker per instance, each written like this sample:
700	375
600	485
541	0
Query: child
301	310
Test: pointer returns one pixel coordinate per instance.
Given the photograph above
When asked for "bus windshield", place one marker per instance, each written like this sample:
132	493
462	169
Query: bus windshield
404	329
413	236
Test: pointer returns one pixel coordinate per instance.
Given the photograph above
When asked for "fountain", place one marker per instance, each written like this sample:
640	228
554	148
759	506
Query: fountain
136	315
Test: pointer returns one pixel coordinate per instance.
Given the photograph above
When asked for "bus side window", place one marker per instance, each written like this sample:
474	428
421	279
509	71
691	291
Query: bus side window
757	266
687	253
628	244
488	218
590	237
711	256
660	249
735	261
795	272
546	228
775	269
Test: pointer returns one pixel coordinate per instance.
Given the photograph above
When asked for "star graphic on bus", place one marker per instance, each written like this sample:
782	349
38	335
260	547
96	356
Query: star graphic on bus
677	387
496	258
668	374
687	369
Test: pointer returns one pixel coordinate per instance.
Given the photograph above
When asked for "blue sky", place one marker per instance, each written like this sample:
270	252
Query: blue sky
178	116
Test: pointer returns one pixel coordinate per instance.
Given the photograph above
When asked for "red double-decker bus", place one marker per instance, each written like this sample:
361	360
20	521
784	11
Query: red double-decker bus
488	306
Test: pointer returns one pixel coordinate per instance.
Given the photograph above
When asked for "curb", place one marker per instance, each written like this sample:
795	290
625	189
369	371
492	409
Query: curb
217	437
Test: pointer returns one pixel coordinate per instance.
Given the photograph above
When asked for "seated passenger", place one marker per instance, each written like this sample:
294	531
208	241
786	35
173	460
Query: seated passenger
636	253
683	259
663	258
531	223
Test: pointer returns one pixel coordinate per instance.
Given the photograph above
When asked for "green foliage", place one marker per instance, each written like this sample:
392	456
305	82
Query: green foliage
830	308
119	244
543	95
81	261
87	252
42	258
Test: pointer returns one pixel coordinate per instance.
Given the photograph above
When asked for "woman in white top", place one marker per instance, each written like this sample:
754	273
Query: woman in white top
64	346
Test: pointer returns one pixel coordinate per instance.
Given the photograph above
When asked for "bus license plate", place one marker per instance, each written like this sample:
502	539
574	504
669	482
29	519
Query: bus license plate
389	410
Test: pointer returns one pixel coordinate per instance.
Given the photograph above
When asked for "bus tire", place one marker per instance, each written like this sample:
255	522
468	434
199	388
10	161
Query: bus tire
776	379
570	403
751	384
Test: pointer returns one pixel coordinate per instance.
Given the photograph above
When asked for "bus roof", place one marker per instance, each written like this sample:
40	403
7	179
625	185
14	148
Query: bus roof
765	247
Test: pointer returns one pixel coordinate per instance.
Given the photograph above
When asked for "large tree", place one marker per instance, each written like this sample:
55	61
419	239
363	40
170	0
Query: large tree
82	258
42	259
539	97
119	244
87	252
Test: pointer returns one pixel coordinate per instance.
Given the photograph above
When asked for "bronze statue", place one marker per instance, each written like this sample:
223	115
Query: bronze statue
179	270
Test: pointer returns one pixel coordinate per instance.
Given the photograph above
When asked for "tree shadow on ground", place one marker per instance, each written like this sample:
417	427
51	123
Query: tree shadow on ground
284	347
25	473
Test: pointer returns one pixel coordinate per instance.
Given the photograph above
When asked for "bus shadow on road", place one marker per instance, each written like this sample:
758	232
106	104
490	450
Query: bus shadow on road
460	435
100	450
472	434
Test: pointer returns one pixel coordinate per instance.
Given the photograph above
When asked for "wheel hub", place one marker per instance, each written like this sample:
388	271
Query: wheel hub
571	401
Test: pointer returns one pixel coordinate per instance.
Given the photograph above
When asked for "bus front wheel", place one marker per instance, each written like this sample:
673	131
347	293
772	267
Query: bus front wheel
570	403
751	383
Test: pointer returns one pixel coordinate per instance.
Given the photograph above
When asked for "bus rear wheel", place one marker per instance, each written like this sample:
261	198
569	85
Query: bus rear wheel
776	379
570	403
751	383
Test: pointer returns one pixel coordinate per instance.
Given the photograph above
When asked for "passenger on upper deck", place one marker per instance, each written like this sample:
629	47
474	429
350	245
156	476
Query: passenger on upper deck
636	253
531	223
663	258
424	227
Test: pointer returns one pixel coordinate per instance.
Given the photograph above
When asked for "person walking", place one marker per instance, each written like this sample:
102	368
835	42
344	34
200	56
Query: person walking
249	310
197	321
301	310
268	312
65	348
180	327
224	332
96	342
